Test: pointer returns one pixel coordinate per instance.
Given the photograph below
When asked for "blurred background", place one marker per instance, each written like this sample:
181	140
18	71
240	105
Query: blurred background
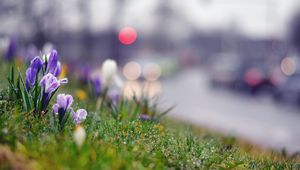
230	65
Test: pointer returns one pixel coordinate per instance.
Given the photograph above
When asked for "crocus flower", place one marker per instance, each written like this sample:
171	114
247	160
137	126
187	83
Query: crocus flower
115	96
30	78
109	71
62	105
36	63
84	74
79	136
144	117
52	62
32	71
49	85
11	50
52	65
58	69
97	85
79	115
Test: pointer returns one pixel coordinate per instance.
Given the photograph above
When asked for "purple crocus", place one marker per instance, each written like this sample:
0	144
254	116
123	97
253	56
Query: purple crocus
58	69
30	78
52	65
79	115
84	74
97	85
36	63
144	117
49	85
52	62
32	72
11	50
115	96
63	104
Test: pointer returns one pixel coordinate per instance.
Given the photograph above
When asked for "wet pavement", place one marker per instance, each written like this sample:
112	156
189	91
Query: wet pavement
257	119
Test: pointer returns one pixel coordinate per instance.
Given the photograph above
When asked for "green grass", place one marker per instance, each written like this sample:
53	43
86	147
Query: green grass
28	142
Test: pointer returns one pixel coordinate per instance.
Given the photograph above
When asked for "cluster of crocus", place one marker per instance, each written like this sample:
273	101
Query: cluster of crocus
108	76
63	107
42	80
105	83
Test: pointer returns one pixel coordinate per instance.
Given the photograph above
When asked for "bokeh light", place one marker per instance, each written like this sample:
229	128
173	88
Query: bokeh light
127	35
253	77
132	88
151	71
288	66
152	88
132	70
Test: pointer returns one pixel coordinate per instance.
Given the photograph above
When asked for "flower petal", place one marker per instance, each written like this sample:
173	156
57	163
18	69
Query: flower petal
36	63
58	69
63	81
69	101
52	63
50	83
79	116
61	100
55	108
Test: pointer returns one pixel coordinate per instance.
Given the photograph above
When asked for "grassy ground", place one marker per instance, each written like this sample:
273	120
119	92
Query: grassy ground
28	142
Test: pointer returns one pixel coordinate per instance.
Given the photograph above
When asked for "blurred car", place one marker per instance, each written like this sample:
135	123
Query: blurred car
224	70
289	90
255	77
248	76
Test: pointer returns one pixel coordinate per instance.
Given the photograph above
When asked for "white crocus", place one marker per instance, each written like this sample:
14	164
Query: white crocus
109	71
47	48
79	136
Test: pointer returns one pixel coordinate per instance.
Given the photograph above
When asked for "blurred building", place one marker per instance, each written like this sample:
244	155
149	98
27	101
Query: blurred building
88	30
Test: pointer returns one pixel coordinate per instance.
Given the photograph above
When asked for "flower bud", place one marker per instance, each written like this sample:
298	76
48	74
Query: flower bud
109	71
79	136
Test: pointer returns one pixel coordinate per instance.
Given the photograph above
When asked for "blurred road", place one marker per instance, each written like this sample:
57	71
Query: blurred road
256	119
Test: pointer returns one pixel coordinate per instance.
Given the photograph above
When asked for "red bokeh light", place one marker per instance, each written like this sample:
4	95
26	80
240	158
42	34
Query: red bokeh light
253	77
127	35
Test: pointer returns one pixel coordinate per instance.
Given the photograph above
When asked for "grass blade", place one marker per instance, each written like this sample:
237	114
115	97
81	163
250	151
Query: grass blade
25	94
165	112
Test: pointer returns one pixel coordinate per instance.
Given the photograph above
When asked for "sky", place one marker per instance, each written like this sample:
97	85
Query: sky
261	18
254	18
